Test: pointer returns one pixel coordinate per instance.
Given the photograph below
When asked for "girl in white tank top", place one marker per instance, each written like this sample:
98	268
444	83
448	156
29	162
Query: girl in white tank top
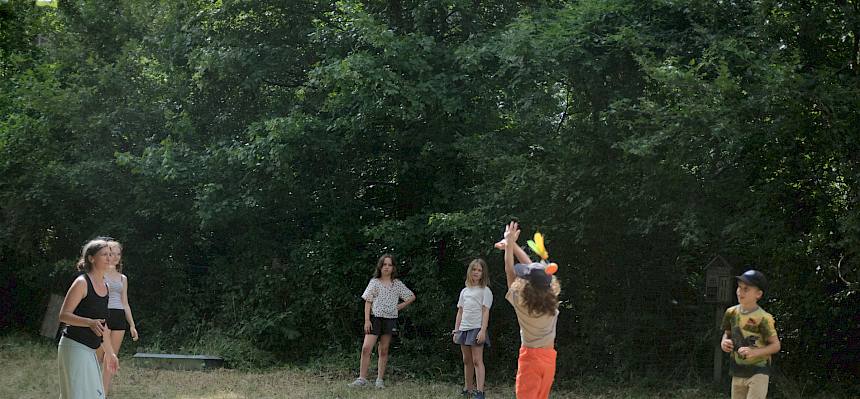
120	318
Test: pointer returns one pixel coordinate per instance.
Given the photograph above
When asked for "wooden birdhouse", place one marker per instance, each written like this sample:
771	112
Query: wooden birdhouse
718	281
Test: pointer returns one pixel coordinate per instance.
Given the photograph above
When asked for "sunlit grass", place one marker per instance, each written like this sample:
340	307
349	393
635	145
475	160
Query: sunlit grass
30	372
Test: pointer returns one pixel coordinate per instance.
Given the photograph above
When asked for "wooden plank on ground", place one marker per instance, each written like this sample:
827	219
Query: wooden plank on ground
177	362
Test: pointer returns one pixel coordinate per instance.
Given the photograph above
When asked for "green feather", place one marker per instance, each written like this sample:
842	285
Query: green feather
534	247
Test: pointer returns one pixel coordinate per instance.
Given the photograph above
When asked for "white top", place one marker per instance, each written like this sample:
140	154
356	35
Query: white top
115	288
473	300
535	332
385	297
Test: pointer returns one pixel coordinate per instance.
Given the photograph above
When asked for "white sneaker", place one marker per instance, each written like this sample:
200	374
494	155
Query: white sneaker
358	383
379	383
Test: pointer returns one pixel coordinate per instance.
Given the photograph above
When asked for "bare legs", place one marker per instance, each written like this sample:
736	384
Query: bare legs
473	366
367	350
116	340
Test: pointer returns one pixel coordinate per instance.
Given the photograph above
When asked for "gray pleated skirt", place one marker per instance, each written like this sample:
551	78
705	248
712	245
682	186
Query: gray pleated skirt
80	373
470	337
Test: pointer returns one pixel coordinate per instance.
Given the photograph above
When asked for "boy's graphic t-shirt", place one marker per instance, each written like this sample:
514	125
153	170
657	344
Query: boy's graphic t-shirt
753	330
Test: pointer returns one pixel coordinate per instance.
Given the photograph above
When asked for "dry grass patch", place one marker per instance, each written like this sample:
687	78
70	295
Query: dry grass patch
30	372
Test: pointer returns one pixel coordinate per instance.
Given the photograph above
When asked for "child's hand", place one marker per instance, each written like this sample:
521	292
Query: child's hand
367	326
482	336
134	336
727	346
500	245
746	351
512	233
454	336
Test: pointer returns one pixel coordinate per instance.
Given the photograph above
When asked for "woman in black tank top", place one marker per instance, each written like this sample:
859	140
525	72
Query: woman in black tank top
94	307
84	311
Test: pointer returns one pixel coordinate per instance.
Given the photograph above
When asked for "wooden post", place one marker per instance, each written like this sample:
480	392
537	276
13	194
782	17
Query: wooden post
718	290
51	321
718	352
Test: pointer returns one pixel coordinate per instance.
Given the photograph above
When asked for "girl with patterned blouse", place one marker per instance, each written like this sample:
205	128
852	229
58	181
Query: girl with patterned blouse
381	305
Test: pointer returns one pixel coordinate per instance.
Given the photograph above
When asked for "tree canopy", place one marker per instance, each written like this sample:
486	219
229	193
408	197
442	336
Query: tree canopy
255	158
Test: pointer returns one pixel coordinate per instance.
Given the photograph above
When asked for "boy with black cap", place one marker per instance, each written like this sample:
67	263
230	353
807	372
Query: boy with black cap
750	336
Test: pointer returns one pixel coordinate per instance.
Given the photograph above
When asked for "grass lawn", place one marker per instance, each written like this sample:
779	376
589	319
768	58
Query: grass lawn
30	372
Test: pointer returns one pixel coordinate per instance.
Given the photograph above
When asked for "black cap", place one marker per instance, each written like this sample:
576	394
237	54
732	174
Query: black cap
535	273
753	277
539	278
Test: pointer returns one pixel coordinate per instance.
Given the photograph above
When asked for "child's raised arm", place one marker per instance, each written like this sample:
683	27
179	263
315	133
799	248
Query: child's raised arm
519	253
512	233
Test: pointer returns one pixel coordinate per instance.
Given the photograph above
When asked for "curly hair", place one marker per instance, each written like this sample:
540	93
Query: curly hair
539	299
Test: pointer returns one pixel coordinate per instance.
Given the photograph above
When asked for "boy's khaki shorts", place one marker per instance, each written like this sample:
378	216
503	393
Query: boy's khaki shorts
754	387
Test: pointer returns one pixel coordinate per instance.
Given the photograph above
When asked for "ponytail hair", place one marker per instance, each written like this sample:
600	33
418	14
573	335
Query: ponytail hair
91	248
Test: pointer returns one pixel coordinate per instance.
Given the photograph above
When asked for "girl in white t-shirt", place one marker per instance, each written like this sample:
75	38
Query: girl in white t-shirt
470	330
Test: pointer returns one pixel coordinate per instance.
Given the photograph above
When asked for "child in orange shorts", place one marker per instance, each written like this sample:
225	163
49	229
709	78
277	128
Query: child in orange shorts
533	292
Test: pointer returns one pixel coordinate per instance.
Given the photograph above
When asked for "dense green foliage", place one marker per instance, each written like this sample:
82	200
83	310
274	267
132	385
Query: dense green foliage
255	158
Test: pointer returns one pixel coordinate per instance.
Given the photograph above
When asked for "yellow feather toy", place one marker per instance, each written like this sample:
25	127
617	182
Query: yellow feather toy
537	246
